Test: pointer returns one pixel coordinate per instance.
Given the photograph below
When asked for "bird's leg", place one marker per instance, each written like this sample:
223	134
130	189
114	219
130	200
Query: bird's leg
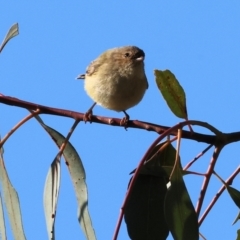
125	120
88	115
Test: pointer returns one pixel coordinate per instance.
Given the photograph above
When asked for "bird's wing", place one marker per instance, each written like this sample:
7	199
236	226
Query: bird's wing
92	68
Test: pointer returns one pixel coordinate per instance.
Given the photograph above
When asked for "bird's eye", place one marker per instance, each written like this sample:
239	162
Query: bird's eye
126	54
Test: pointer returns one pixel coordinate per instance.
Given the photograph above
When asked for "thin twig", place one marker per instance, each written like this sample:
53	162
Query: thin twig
205	125
177	152
197	157
202	236
61	149
196	173
18	125
208	177
214	200
162	148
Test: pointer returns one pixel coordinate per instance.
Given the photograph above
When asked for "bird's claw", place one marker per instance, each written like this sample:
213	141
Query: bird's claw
87	117
124	121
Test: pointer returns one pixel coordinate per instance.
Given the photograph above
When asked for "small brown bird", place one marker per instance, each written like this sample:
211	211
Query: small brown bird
116	80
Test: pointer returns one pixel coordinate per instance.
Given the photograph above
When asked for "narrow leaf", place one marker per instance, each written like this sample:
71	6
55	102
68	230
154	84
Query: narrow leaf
172	92
3	235
236	219
78	177
51	192
179	211
238	234
235	195
11	201
13	31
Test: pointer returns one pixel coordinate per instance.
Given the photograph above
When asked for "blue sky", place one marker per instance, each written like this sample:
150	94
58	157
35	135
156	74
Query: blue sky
198	41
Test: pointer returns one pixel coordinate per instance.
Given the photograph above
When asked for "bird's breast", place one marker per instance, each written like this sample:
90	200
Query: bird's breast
116	92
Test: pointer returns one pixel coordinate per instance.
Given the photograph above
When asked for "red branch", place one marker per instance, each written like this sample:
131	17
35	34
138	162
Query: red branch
210	139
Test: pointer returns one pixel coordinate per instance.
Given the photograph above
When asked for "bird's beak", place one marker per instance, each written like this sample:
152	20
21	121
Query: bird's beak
141	58
81	76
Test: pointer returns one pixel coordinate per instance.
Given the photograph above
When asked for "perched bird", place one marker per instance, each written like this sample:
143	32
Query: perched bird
116	80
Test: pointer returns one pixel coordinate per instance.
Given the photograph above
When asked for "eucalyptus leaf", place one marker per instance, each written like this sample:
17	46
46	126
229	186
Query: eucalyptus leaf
235	195
51	192
12	32
3	235
236	219
144	211
238	234
78	177
172	92
179	210
11	202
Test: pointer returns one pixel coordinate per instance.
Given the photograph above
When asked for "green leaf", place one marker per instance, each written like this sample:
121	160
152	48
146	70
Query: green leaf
238	234
51	192
235	195
179	211
2	222
11	202
144	211
236	219
172	92
13	31
78	176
